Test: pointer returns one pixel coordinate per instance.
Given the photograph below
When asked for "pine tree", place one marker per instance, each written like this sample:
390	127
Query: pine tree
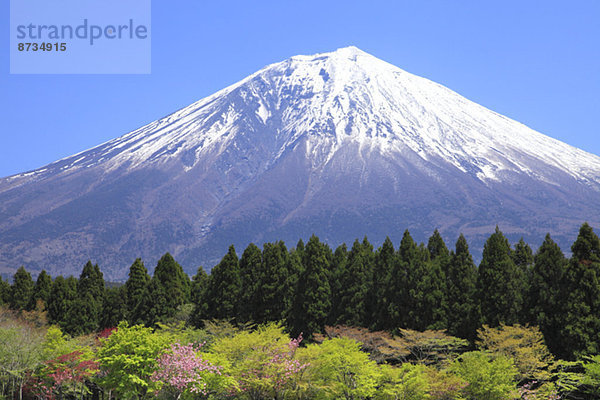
312	299
224	286
4	291
435	284
398	285
461	292
84	315
423	290
355	284
114	308
582	296
41	290
545	297
522	256
21	290
135	288
336	275
168	289
91	282
498	283
381	291
250	265
273	283
62	295
438	250
198	296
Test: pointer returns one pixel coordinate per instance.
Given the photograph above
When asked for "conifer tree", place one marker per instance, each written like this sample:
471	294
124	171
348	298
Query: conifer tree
355	284
198	297
582	296
498	283
168	289
21	290
461	292
523	258
84	315
250	293
422	294
382	290
338	270
273	283
224	286
135	289
114	308
435	283
438	251
545	297
41	290
312	299
62	296
295	270
4	291
398	285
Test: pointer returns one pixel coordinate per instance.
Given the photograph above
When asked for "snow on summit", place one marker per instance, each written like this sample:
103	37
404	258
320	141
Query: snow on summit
341	97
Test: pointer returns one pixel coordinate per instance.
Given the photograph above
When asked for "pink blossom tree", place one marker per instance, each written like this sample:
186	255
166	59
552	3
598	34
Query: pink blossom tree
181	369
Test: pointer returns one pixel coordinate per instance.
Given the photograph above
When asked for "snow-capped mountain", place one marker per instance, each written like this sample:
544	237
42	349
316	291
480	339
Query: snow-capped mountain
341	144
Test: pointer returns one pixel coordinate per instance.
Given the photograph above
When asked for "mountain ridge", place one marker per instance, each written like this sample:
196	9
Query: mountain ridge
348	130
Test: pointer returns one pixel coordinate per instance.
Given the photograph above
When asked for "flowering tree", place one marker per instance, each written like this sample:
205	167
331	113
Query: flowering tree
182	369
63	375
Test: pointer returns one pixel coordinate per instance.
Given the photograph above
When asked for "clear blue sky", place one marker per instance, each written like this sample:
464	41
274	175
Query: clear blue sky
535	61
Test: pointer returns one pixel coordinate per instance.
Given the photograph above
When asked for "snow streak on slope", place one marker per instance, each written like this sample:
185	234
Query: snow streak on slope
337	98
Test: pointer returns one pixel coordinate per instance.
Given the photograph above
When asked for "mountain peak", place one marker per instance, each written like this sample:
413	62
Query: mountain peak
338	143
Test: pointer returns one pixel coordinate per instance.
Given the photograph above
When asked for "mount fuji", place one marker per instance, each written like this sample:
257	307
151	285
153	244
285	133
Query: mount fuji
338	144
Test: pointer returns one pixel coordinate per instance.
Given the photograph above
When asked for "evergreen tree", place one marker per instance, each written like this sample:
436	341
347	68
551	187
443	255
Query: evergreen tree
422	294
41	290
169	289
62	295
199	282
4	291
338	270
438	251
582	296
312	299
295	270
499	283
135	289
398	285
21	290
435	285
84	315
250	265
523	258
198	295
273	283
461	292
114	308
224	286
382	290
355	284
91	282
545	298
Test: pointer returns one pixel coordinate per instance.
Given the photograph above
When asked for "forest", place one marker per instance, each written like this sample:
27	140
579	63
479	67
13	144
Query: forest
415	322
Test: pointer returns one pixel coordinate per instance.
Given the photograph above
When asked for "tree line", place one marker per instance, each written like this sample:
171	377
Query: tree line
416	286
